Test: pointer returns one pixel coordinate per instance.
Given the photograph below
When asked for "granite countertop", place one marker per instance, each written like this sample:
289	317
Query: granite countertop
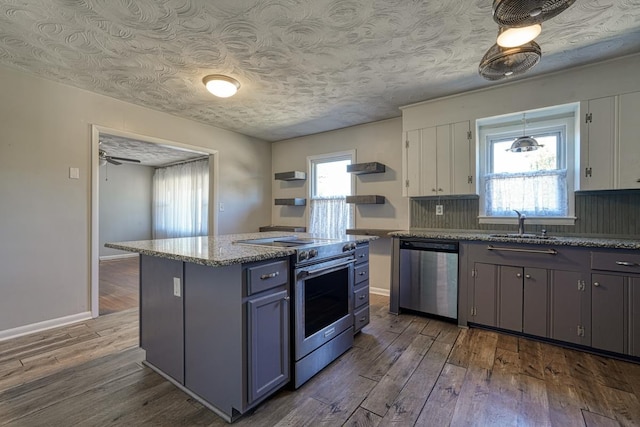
218	251
553	240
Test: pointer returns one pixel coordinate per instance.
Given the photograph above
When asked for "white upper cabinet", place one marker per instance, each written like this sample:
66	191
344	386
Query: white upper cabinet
628	165
439	161
610	143
598	144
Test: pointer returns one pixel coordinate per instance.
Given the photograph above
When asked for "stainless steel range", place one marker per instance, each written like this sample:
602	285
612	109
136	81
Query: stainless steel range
322	321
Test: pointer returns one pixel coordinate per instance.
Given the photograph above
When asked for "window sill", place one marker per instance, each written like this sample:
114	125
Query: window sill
556	220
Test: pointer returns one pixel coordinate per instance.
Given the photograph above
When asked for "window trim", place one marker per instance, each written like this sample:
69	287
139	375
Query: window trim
538	121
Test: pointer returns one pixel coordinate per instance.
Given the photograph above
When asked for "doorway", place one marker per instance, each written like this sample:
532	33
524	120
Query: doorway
120	273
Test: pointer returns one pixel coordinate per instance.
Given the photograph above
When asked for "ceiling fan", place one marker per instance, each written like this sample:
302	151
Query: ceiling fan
104	158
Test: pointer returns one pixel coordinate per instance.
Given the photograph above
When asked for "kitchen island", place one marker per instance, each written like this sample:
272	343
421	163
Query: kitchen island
215	314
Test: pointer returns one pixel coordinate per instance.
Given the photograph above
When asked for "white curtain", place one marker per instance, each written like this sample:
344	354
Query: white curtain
181	200
542	193
330	216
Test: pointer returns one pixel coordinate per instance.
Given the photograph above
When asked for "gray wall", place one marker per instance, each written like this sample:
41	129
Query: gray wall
604	213
125	205
45	217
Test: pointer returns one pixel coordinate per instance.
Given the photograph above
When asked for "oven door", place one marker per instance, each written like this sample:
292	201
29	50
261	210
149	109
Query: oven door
323	295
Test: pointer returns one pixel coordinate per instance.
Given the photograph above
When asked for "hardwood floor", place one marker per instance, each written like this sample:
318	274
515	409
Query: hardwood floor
119	289
403	370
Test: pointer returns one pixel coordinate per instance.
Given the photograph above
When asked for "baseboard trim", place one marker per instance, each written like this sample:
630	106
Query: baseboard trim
379	291
43	326
118	256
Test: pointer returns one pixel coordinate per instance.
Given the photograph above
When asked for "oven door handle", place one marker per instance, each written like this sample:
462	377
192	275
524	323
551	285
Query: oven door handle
328	267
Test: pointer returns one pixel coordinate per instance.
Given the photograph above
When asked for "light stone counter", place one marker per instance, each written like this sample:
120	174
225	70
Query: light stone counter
466	235
217	251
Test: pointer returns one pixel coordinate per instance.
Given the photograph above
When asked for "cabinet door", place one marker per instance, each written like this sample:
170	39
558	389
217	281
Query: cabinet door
162	314
268	347
443	166
607	312
412	159
634	316
463	161
629	149
600	145
484	294
510	298
536	296
567	298
429	161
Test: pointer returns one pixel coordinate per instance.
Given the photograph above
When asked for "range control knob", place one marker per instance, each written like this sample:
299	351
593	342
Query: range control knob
303	255
313	253
348	247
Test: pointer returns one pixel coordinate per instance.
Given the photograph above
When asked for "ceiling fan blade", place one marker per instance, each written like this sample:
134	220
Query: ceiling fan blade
124	159
113	162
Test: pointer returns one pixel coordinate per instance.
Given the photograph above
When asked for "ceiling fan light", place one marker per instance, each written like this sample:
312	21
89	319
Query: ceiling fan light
513	37
221	86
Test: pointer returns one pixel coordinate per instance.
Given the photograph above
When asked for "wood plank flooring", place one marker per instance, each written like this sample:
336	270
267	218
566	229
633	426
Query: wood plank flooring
119	288
403	370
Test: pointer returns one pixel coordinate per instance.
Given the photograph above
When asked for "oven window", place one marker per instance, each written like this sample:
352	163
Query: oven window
326	299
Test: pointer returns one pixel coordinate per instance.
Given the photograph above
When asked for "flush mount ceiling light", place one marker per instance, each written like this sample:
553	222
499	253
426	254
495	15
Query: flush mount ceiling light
524	143
523	13
499	62
221	86
512	37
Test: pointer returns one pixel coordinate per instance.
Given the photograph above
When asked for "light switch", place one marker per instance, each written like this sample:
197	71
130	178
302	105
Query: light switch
74	173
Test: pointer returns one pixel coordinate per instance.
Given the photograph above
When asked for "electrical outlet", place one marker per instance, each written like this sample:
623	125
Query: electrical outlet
221	207
176	287
439	210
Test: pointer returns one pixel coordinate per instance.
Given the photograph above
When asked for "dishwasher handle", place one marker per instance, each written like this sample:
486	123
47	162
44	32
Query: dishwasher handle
429	245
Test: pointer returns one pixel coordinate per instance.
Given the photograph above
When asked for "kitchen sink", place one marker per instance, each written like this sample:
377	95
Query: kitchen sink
522	236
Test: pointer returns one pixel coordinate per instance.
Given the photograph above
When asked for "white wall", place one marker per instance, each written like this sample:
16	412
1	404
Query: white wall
373	142
45	217
125	205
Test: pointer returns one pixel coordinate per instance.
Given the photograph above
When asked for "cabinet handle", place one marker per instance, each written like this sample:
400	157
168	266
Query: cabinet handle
362	273
362	296
286	298
440	189
518	275
362	319
270	275
596	284
531	251
361	256
528	276
627	263
433	189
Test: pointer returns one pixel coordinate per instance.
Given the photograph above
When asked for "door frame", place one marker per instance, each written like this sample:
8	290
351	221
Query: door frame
94	251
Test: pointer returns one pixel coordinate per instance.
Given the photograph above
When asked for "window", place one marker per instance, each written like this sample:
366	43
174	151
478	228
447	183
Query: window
537	183
330	184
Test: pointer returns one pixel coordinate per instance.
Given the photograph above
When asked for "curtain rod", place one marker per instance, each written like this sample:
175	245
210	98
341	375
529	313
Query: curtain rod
184	161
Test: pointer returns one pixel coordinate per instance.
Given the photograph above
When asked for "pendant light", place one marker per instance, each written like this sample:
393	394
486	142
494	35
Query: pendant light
524	143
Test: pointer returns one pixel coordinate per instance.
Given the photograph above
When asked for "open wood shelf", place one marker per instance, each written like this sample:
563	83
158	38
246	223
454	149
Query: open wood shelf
291	202
290	176
366	200
366	168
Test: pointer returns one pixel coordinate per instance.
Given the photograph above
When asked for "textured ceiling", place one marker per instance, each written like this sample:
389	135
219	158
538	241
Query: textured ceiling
149	154
305	66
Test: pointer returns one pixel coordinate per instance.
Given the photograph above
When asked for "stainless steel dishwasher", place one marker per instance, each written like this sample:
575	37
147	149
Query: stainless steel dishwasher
429	277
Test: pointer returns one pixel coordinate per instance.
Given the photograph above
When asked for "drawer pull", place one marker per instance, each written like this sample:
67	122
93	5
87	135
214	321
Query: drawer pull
628	264
362	319
531	251
361	256
362	297
270	275
596	284
528	276
362	273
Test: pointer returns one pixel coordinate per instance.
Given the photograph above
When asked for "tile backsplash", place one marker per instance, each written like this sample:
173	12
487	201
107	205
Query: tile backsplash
611	213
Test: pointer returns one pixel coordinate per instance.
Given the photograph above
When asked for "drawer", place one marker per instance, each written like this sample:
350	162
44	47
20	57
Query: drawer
362	254
266	276
361	296
362	273
622	261
360	318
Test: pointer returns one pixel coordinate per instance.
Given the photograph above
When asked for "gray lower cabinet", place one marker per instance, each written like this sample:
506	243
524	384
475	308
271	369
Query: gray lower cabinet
360	299
268	343
615	303
162	314
529	293
225	339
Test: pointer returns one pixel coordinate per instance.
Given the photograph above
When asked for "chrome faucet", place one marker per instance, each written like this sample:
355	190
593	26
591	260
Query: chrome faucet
521	218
